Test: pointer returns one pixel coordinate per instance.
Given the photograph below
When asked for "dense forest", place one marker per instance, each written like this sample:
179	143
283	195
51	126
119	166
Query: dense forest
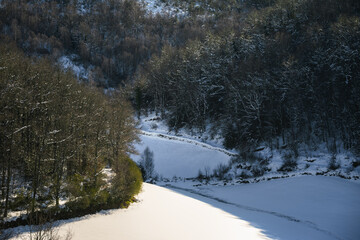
112	36
289	74
280	73
56	137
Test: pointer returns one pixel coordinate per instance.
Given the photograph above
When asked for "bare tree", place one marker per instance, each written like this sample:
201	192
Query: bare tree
147	164
46	230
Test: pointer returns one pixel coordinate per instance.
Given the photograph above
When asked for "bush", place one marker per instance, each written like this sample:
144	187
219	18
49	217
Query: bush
21	199
258	169
74	186
42	227
221	170
79	204
102	197
245	174
253	162
147	164
200	175
154	126
333	163
356	163
127	181
289	163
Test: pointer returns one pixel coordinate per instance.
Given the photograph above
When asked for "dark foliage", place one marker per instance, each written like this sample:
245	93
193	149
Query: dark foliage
290	73
57	135
114	36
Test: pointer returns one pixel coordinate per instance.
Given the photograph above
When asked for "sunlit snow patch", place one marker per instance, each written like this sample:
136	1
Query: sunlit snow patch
180	159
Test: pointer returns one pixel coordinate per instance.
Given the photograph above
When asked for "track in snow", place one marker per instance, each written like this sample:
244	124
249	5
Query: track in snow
191	141
280	215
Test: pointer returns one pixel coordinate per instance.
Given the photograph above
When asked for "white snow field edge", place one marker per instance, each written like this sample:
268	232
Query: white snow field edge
307	207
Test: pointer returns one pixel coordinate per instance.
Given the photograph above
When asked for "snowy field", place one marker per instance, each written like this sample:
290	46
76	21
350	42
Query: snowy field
321	208
178	158
161	214
305	207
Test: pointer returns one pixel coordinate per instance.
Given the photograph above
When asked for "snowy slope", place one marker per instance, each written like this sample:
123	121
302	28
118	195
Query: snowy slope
162	215
310	161
153	123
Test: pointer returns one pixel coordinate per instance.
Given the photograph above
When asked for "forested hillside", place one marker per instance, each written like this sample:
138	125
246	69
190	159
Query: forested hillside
287	75
277	74
113	36
56	137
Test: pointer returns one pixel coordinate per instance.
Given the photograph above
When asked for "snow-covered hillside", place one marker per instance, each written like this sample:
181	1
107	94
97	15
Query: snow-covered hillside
185	152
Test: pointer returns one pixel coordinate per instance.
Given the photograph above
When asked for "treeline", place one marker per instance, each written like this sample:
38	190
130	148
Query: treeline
289	75
56	137
112	36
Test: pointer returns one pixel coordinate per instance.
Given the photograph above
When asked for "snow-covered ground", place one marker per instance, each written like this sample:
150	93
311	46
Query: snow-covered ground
67	62
160	7
179	154
154	124
161	214
307	207
174	152
290	206
177	158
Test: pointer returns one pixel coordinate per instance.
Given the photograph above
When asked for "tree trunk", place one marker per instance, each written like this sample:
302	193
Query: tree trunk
8	180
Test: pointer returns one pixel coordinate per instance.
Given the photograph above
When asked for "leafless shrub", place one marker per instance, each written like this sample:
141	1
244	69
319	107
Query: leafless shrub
45	230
